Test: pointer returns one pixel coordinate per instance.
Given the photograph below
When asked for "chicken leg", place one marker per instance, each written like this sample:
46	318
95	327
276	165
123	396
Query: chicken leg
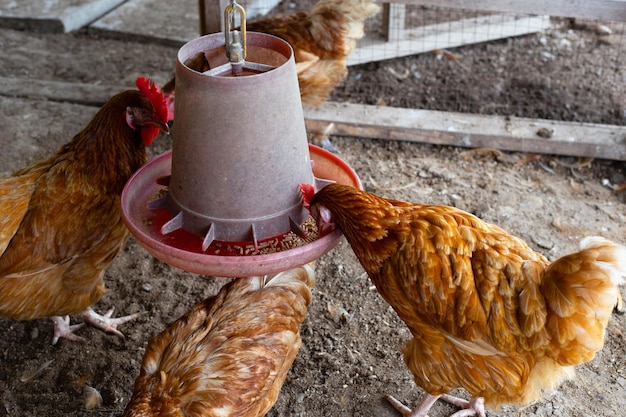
474	407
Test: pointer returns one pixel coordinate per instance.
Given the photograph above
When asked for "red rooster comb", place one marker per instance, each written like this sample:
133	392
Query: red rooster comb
307	191
154	94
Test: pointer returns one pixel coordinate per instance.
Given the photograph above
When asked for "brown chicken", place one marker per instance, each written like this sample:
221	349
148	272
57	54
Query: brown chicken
321	39
486	312
60	218
230	354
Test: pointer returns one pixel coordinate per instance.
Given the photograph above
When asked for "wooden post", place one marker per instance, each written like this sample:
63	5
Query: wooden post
393	21
211	16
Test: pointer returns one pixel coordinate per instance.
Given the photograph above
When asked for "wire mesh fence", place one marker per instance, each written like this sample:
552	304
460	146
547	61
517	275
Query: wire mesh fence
485	62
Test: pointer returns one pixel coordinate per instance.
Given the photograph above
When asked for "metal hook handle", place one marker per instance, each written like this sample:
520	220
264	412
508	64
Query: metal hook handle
235	40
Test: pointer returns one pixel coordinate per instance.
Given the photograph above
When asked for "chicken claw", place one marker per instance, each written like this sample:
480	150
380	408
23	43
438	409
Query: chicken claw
63	329
105	322
418	412
474	407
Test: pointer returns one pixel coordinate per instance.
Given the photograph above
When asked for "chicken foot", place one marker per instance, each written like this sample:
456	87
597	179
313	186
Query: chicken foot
63	329
474	407
105	322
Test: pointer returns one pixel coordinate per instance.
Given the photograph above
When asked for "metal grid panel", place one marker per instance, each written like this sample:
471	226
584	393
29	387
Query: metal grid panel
488	62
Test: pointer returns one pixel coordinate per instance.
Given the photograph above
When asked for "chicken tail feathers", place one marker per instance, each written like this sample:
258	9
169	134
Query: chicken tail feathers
581	290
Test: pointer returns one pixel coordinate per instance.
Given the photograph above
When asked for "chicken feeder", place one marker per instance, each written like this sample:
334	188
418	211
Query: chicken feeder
240	145
231	182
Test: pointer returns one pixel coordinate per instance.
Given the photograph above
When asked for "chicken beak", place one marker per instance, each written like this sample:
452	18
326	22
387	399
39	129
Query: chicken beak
163	126
138	118
159	124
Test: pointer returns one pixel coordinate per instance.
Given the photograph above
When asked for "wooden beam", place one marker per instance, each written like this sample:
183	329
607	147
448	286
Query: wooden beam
392	123
211	15
470	130
589	9
446	36
53	16
85	94
394	17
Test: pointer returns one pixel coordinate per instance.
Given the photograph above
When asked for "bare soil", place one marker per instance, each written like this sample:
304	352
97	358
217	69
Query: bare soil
350	355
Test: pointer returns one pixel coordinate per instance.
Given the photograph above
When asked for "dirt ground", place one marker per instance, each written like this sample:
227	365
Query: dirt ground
351	338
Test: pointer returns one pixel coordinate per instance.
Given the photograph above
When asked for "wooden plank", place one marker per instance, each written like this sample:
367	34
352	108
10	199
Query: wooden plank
182	24
589	9
53	16
426	126
469	130
86	94
128	21
448	35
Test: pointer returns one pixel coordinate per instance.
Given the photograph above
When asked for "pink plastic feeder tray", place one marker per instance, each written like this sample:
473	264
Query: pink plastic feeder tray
183	249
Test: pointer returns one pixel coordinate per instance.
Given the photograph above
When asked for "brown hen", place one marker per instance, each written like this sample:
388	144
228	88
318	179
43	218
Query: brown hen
486	312
60	218
230	354
321	39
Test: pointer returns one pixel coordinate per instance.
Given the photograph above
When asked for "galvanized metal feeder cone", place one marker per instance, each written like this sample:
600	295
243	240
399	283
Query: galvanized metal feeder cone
240	148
